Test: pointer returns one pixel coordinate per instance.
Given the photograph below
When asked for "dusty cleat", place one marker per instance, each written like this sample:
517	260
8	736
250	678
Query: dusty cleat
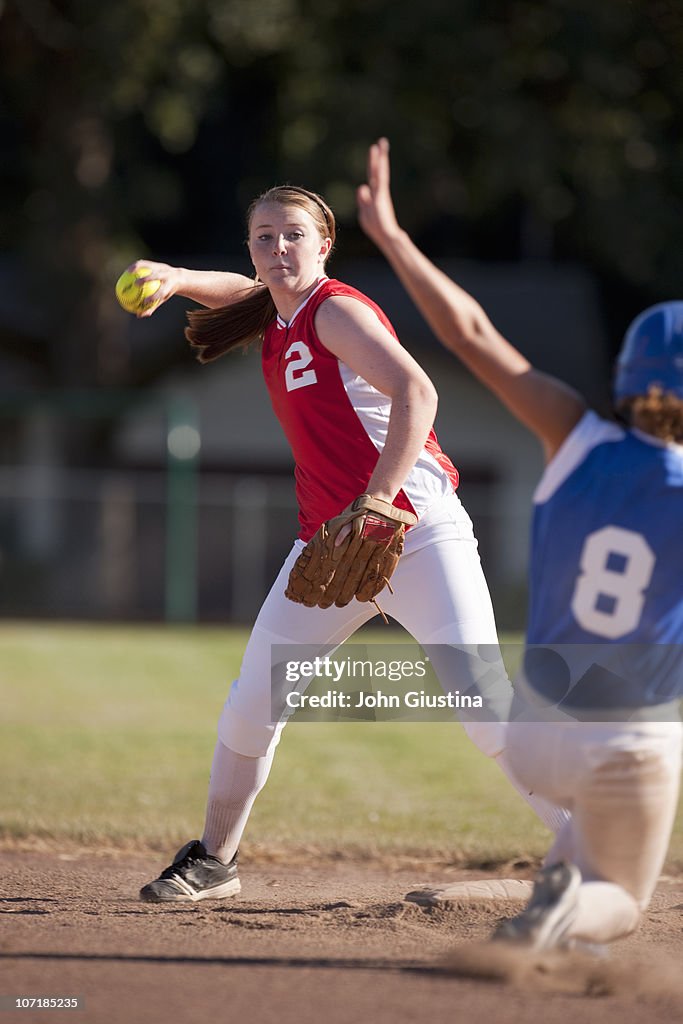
192	876
544	923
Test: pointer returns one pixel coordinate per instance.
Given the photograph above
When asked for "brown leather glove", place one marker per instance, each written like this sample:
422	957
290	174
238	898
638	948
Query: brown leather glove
361	566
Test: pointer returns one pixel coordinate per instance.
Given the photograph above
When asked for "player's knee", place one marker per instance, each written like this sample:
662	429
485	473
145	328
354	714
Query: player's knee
250	738
488	736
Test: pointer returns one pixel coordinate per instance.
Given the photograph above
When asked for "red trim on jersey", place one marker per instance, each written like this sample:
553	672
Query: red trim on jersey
333	452
434	449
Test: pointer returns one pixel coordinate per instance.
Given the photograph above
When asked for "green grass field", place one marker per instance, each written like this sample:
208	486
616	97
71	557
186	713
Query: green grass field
107	736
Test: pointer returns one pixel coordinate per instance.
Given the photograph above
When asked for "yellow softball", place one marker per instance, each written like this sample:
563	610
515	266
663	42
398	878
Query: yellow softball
131	293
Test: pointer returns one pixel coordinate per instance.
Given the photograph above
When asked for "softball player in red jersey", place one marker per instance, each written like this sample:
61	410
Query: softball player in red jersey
605	575
358	413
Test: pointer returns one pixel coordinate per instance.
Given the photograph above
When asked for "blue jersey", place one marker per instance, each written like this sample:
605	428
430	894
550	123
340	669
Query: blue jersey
607	550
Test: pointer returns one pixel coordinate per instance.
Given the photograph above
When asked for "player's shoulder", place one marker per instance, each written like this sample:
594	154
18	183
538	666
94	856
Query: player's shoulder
332	286
342	307
336	294
590	432
331	290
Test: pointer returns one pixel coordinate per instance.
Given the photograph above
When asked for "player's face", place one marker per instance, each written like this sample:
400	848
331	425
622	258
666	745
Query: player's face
286	247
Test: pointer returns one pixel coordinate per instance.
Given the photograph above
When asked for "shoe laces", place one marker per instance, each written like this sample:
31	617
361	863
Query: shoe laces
193	855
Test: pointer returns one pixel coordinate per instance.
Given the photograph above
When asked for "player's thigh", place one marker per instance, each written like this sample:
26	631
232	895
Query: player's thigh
295	623
441	596
442	599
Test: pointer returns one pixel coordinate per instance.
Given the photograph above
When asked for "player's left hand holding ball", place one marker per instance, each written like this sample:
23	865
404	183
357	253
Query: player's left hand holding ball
144	286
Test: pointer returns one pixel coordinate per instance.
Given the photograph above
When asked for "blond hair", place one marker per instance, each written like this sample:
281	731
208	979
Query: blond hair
213	332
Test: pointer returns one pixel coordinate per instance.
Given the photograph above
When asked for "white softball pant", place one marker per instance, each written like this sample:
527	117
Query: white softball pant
440	597
620	781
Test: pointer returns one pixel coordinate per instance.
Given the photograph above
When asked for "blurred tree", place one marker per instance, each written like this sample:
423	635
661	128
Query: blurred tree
97	101
535	128
531	128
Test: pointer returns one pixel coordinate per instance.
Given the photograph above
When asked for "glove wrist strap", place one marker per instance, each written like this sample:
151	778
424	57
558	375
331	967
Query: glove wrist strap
384	508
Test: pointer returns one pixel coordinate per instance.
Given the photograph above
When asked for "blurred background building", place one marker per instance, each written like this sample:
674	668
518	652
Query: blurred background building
536	156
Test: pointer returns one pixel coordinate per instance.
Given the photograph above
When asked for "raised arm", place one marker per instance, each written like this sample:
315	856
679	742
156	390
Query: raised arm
211	288
542	403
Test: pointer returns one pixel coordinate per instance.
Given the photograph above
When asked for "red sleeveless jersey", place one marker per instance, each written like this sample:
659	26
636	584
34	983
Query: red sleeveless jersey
335	422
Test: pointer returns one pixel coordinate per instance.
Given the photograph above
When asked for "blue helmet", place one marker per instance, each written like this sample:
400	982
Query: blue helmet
652	352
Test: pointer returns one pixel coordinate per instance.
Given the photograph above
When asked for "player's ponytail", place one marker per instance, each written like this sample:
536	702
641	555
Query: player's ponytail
213	332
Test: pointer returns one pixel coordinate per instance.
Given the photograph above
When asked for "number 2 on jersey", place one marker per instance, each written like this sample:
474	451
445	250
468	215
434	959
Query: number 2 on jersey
296	376
616	567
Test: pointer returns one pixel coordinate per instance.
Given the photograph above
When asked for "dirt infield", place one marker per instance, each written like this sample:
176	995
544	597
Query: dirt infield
326	941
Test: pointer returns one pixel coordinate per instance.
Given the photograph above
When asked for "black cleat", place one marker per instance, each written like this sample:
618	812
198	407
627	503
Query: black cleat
192	876
550	912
